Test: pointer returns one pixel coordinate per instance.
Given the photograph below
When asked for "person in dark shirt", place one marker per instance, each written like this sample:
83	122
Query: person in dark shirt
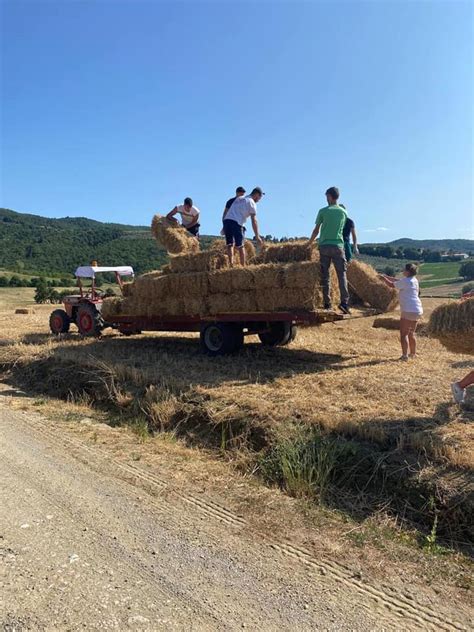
347	232
239	192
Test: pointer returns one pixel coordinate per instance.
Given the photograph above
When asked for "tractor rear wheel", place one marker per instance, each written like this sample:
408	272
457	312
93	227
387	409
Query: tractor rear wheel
89	321
59	322
221	338
278	334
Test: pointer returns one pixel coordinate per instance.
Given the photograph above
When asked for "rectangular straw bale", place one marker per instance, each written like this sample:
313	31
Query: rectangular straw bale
453	325
172	236
268	276
287	251
127	289
370	288
302	274
207	261
219	245
111	307
195	305
232	280
188	284
236	302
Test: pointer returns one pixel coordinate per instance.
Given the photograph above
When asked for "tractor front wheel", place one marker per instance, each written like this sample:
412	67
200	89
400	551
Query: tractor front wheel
59	322
89	321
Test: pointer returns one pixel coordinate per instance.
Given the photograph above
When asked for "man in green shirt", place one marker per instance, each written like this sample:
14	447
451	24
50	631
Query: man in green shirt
329	226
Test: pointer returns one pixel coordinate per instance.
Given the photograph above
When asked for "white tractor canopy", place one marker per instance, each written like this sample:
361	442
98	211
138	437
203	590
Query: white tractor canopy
89	272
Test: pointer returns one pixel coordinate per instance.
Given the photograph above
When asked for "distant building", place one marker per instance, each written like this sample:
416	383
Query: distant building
457	256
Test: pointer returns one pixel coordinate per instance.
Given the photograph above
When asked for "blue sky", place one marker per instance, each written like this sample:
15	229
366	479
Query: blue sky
116	110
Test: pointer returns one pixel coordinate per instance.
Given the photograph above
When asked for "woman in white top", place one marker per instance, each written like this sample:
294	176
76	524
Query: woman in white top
410	307
189	216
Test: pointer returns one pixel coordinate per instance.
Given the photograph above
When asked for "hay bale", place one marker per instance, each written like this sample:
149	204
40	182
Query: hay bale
24	310
288	251
188	284
232	280
453	325
236	302
302	274
195	306
127	289
370	288
172	236
207	261
393	323
111	307
219	245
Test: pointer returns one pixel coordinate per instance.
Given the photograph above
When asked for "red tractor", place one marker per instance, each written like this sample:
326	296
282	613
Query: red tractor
84	309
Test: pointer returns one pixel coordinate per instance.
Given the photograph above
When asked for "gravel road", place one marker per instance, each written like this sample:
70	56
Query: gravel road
88	543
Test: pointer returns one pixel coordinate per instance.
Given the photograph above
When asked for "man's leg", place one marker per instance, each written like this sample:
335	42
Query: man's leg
229	240
325	262
340	264
412	337
404	330
242	255
466	381
239	242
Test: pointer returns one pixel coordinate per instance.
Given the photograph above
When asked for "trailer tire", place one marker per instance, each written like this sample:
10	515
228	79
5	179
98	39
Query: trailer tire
89	321
221	338
59	322
279	334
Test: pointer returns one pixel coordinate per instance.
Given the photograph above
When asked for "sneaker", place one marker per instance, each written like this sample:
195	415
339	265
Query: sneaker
344	308
458	393
404	358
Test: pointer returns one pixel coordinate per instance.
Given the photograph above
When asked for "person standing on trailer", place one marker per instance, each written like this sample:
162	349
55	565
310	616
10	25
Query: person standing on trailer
239	192
347	232
234	223
189	216
331	221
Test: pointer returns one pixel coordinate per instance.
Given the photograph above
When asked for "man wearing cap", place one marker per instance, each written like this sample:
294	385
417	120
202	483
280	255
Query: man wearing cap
239	192
331	221
234	223
189	216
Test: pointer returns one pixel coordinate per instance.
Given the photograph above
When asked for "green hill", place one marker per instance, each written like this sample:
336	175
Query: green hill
36	244
439	245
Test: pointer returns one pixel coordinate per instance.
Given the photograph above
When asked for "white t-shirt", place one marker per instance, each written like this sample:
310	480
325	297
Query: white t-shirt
409	295
188	215
241	210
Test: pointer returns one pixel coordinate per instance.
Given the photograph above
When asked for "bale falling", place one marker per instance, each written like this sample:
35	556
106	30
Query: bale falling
365	282
389	322
453	325
172	236
287	251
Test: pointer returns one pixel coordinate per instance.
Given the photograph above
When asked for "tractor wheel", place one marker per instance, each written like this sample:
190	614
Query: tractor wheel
89	321
59	322
221	338
279	334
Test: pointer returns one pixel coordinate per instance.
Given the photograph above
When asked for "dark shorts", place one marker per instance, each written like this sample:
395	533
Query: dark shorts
194	230
234	233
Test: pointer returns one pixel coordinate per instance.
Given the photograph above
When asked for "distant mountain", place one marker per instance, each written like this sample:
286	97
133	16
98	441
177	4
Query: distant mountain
440	245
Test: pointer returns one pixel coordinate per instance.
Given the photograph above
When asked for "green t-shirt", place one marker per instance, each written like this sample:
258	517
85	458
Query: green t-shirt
331	219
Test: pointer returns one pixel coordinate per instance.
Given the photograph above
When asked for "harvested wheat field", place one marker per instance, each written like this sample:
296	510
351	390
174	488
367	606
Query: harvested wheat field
342	380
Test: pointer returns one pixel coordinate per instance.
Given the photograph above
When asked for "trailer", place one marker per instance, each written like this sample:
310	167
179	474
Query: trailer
224	333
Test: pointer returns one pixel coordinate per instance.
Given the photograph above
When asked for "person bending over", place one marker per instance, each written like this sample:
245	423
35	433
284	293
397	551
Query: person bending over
189	216
234	223
410	307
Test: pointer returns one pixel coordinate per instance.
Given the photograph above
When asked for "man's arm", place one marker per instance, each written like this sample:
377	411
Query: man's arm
315	233
354	240
390	281
172	213
195	221
255	228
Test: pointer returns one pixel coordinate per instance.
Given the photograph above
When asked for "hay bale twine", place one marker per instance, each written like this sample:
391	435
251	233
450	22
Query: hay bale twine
172	236
453	325
370	288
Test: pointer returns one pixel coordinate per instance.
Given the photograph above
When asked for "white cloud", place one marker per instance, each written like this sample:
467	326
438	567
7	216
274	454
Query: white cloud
380	229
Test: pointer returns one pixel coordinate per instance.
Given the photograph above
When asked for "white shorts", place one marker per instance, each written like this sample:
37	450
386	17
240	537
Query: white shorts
411	315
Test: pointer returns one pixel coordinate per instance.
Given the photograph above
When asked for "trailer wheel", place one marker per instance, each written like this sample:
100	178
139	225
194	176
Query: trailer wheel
279	334
59	322
89	321
221	338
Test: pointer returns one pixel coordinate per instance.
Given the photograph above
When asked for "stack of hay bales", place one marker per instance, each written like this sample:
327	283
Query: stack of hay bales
453	325
281	277
367	285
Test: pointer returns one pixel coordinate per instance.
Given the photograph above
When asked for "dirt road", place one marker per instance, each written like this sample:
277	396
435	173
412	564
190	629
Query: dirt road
88	542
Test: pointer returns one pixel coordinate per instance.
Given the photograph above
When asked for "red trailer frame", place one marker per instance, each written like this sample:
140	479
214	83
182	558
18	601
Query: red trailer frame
224	332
